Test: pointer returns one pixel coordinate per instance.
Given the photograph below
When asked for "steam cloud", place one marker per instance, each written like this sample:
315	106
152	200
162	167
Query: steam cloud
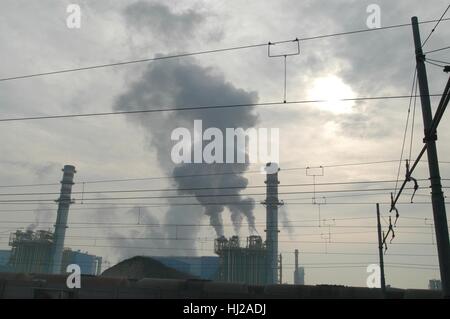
184	83
285	221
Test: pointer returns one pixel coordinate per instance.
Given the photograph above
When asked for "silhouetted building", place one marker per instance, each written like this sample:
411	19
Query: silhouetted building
89	264
242	264
434	284
204	267
30	251
299	272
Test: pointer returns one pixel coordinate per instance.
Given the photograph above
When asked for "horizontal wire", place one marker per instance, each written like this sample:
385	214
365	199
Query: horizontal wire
199	195
181	55
225	204
193	175
437	50
208	174
136	224
205	107
203	188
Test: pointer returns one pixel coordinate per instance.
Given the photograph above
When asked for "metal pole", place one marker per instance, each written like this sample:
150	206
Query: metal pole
437	197
281	270
380	253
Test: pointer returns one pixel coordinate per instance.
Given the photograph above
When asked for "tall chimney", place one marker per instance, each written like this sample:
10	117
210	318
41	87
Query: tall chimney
296	268
272	204
299	272
64	202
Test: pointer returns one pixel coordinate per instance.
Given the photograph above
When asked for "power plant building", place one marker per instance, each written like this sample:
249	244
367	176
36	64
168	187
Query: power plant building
31	253
238	264
89	264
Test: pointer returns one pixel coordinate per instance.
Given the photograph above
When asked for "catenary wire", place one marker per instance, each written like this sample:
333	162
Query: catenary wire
182	55
204	107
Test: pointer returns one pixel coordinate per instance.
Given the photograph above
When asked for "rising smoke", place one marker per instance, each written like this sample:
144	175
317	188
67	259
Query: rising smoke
184	83
285	221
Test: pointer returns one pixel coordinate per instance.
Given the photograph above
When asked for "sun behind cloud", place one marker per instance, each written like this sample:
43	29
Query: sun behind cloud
332	90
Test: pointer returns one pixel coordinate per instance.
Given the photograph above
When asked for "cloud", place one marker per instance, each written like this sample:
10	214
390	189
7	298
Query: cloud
162	22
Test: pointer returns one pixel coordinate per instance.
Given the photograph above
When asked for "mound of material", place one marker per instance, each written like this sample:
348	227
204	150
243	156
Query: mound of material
139	267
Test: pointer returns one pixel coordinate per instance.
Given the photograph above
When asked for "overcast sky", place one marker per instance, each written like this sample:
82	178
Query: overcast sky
35	39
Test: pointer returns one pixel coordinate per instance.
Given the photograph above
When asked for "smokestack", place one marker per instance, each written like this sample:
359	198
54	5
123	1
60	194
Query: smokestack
272	204
299	272
64	202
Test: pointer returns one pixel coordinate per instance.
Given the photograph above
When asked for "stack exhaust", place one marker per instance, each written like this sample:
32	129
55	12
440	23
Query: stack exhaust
64	202
272	203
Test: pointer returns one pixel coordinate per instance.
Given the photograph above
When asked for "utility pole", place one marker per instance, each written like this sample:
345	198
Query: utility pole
437	197
281	270
380	253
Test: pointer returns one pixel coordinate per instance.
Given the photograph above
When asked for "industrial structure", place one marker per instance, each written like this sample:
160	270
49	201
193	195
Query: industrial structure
246	264
64	202
257	262
89	264
31	252
43	251
272	203
434	284
299	272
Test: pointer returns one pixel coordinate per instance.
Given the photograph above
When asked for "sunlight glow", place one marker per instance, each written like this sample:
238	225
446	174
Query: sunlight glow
332	89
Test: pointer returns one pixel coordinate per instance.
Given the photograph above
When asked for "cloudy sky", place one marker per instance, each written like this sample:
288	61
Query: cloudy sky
337	239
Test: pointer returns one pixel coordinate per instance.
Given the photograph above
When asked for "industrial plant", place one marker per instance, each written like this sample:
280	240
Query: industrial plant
242	268
32	250
42	251
253	262
242	264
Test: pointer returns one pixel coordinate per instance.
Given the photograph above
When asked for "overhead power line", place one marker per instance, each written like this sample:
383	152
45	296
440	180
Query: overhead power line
205	107
437	50
445	97
207	174
288	203
199	175
203	195
285	239
87	224
188	54
406	128
434	28
203	188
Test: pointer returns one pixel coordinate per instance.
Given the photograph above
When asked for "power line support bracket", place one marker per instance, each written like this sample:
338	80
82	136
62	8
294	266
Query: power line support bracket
437	197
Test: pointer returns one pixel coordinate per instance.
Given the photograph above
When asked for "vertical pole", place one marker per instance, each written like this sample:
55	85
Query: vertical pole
281	270
380	253
437	197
